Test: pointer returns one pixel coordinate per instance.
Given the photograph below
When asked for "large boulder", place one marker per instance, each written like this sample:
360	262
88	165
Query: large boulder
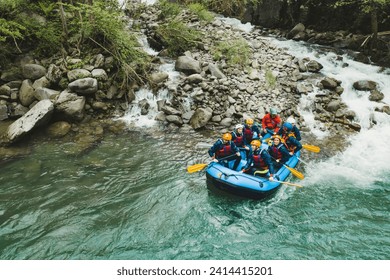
365	85
70	106
33	71
26	93
38	115
200	118
188	65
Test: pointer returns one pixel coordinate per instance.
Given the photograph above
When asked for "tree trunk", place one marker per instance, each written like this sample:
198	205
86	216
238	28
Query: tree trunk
65	34
374	27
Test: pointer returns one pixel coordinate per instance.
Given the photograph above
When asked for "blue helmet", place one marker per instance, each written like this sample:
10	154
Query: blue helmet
288	126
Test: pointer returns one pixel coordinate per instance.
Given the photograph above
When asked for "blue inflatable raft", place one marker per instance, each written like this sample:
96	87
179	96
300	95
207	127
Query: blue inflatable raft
225	179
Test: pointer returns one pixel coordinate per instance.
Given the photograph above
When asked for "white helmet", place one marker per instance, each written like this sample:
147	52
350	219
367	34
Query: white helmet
291	120
239	126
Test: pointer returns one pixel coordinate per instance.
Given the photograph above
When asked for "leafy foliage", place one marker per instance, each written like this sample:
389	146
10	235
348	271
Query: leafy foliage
49	27
270	78
10	29
177	37
201	12
235	52
168	10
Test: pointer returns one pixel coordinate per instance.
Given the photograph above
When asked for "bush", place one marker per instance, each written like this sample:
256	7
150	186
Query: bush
235	52
201	12
168	10
177	37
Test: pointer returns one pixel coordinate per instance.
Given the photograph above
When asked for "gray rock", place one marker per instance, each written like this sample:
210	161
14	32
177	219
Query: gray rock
33	71
84	86
174	119
54	74
215	72
26	93
365	85
70	106
168	110
41	82
333	105
5	90
194	79
158	77
376	95
187	65
99	74
77	74
38	115
46	93
329	83
200	118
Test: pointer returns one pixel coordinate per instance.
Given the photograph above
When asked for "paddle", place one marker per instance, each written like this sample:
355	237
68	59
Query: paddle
289	184
311	148
200	166
294	172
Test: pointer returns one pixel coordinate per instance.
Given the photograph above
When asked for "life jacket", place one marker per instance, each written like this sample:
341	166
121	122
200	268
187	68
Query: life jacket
225	151
259	162
285	137
270	122
248	134
239	140
275	151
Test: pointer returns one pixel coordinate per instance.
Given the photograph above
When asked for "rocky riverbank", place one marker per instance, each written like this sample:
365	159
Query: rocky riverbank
76	100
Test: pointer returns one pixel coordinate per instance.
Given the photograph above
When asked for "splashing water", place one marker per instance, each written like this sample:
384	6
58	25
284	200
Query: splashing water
365	161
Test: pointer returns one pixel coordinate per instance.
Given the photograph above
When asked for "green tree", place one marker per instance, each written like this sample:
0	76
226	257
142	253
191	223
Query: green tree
371	7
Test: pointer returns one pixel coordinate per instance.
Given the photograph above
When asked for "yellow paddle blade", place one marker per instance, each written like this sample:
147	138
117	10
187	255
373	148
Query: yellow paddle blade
311	148
290	184
295	172
196	167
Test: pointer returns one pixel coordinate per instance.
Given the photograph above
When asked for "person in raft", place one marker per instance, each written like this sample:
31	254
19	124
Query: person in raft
224	148
251	131
295	129
278	152
271	122
238	138
259	161
289	138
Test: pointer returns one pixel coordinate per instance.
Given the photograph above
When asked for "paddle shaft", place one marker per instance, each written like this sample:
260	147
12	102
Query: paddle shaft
289	184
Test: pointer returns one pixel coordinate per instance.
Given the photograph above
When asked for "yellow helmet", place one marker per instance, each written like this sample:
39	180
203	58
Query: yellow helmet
249	121
256	143
277	136
227	136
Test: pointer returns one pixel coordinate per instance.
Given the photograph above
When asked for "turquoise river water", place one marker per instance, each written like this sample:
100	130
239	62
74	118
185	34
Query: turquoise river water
131	198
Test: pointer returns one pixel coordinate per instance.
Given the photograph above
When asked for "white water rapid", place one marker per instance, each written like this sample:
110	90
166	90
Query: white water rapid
366	160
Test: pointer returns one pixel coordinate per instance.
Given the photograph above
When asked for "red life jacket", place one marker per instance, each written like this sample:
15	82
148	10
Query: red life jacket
275	151
239	140
225	151
248	134
259	162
